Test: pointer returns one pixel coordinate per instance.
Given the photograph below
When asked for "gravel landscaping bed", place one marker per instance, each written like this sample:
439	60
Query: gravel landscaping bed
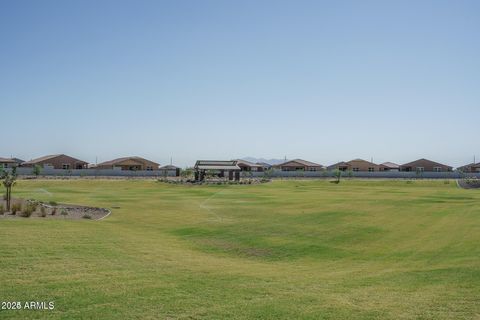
469	183
31	209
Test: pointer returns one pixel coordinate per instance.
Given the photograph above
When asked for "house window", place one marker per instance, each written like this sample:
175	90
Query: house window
65	166
149	168
356	169
420	169
437	169
371	169
312	169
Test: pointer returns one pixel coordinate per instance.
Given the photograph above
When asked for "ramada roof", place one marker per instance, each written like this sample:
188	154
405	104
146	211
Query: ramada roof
216	165
52	156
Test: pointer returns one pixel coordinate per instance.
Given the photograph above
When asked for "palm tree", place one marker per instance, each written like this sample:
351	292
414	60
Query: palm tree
8	180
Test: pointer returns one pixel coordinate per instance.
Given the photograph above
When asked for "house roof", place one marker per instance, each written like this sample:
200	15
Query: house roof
264	164
169	167
426	160
300	161
338	164
17	160
113	162
361	160
390	165
46	158
470	165
216	165
7	160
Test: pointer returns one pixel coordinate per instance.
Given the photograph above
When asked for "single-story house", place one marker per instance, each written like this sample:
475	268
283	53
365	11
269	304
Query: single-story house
57	161
299	165
7	163
170	170
129	163
389	166
425	165
219	168
360	165
342	166
470	168
248	166
265	166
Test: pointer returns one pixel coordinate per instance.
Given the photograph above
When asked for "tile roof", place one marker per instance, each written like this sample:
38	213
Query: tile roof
120	160
302	162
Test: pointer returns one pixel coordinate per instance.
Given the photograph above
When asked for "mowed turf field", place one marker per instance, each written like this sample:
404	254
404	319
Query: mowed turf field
282	250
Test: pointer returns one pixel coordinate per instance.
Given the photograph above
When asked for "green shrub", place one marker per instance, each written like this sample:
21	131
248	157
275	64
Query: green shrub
64	213
87	216
53	203
2	209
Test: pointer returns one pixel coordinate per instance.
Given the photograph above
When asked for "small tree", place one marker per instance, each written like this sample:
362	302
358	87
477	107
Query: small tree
350	173
36	170
338	175
268	173
186	173
8	180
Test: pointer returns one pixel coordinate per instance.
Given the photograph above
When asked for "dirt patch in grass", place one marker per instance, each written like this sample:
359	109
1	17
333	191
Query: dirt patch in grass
24	209
226	246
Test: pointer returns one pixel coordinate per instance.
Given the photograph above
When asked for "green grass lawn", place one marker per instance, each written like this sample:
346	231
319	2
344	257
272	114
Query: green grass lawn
282	250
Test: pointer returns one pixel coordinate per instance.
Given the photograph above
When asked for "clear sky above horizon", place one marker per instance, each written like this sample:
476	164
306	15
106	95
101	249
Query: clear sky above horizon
320	80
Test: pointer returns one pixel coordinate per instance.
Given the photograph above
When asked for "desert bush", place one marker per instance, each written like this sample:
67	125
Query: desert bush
64	213
16	207
54	211
29	209
43	212
34	204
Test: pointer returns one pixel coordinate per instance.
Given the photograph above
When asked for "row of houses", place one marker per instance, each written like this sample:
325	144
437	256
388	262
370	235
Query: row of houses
357	165
233	168
65	162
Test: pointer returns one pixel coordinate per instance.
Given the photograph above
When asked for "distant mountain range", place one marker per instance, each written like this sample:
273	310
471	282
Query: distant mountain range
269	161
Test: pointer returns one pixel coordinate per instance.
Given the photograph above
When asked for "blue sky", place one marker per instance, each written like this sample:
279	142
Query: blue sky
320	80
